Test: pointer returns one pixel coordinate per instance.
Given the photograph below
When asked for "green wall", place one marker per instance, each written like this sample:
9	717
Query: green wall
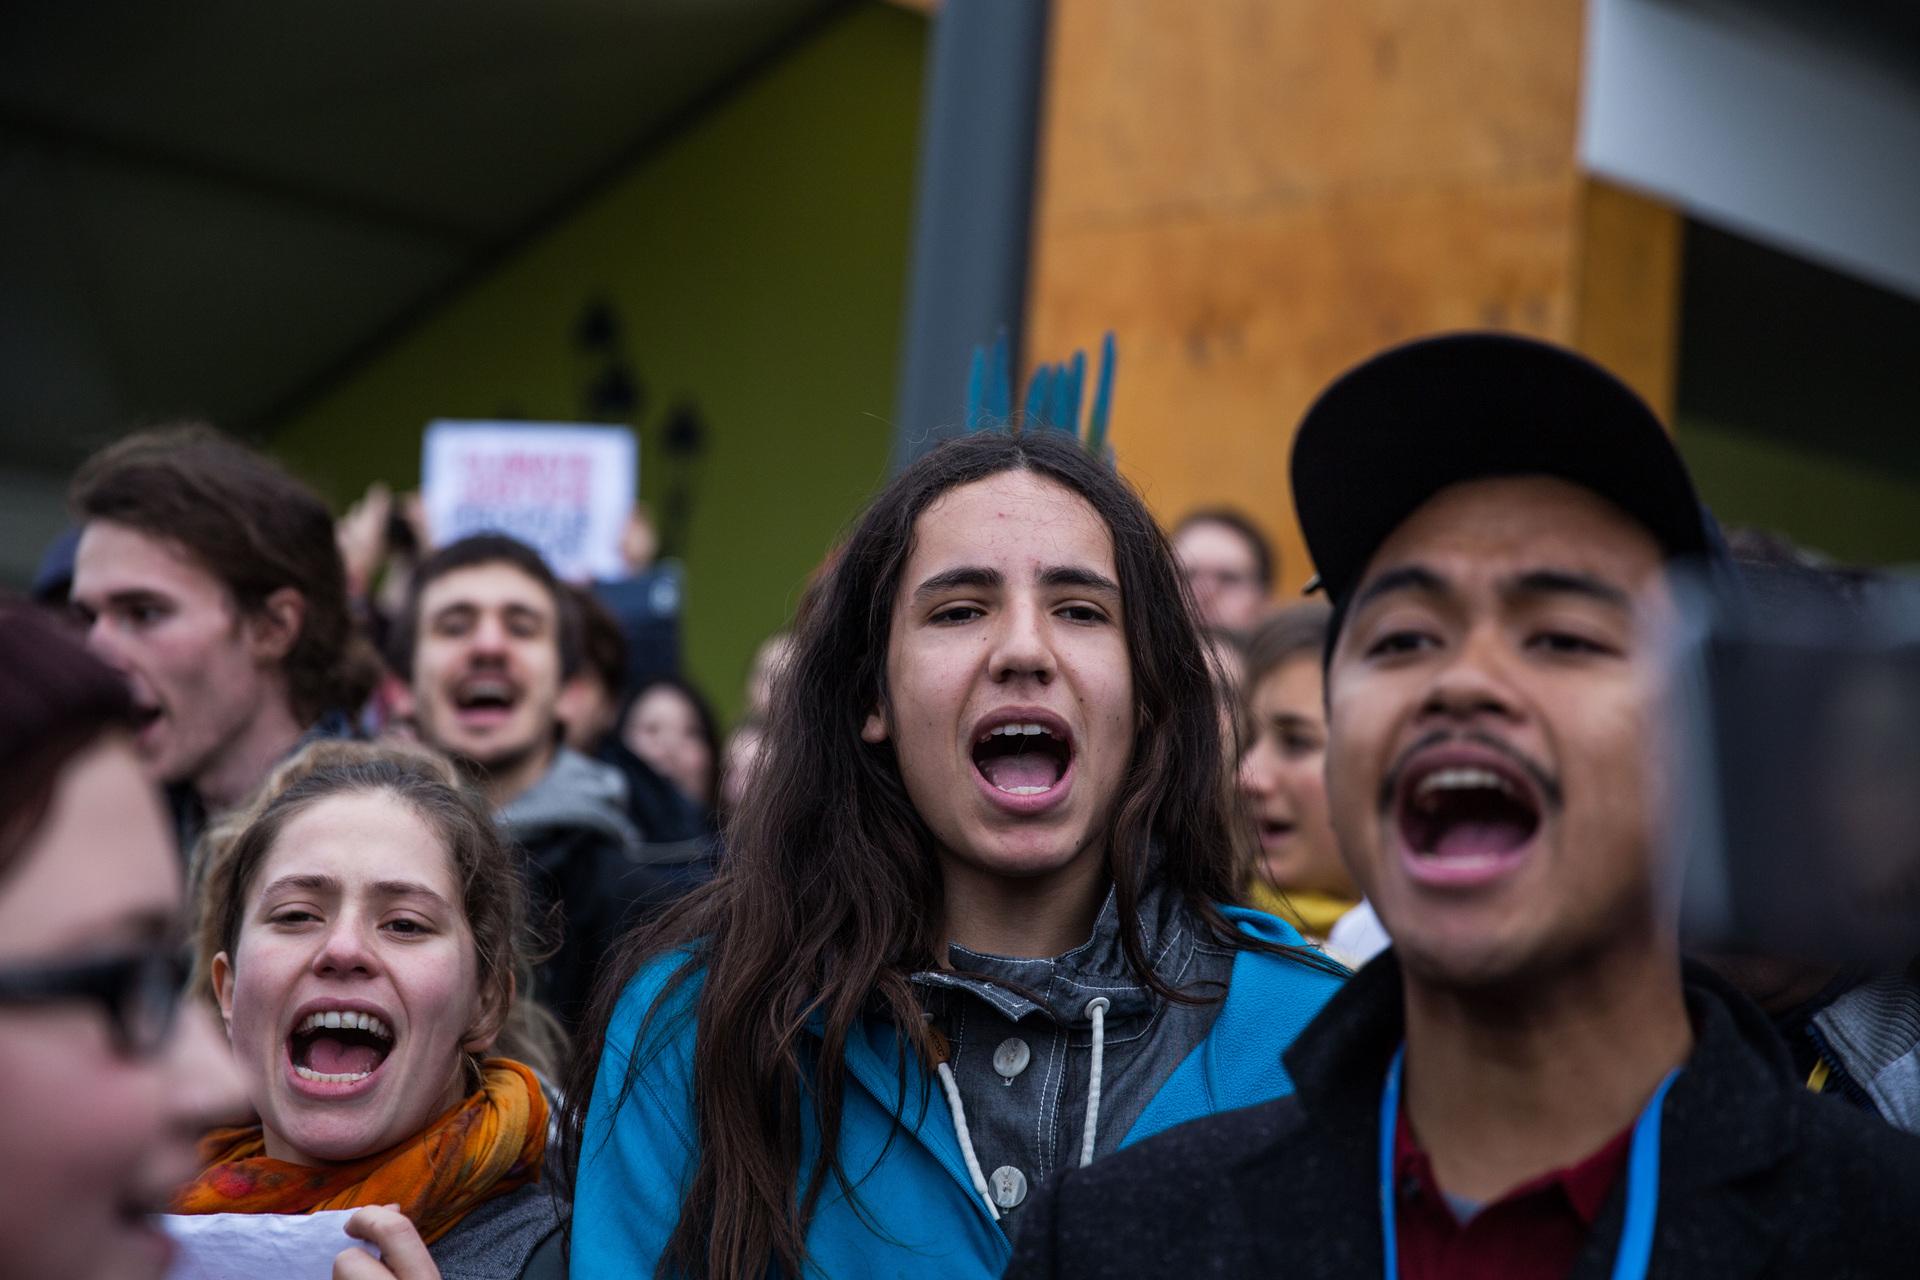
1853	513
1796	392
758	262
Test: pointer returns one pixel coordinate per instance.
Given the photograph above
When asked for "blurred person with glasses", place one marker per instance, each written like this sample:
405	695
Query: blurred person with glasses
108	1083
1229	567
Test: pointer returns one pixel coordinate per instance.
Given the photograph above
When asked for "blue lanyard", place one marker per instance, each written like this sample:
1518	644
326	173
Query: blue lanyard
1643	1178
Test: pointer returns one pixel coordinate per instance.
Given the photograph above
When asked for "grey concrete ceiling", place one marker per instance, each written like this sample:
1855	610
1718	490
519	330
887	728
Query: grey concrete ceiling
211	206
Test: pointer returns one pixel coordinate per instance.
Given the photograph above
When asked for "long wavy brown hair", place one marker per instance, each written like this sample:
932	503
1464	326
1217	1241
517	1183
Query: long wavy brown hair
830	894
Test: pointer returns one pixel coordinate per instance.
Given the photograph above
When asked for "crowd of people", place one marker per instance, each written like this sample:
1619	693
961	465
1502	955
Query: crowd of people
1061	904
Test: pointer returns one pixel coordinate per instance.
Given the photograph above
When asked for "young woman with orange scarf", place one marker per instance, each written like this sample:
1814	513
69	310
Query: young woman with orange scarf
361	934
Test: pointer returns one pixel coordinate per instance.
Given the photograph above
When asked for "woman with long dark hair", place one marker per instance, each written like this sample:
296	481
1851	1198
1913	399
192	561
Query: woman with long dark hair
969	927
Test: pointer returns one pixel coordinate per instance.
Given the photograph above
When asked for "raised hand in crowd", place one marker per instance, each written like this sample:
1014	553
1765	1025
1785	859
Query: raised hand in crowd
362	535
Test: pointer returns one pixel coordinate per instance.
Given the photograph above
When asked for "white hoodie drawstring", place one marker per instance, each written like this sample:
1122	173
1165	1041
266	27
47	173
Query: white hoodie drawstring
966	1142
1097	1010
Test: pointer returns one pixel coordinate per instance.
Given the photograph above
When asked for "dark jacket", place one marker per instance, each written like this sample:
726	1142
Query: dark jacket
1758	1177
659	812
589	875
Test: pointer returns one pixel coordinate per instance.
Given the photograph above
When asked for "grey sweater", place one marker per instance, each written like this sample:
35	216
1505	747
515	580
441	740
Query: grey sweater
516	1236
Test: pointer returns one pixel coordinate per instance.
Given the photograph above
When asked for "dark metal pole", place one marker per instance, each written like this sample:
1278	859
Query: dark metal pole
973	206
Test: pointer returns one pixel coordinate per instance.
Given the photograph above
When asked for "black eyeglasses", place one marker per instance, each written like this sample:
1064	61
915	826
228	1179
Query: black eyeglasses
139	990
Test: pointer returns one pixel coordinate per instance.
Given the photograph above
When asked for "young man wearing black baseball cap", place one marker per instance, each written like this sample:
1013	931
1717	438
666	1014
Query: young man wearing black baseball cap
1526	1085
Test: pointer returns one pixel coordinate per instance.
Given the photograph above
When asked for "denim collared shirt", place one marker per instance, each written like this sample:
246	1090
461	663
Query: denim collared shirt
1020	1039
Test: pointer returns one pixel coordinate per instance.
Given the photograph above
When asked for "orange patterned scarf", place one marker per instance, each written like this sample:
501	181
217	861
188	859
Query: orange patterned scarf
489	1143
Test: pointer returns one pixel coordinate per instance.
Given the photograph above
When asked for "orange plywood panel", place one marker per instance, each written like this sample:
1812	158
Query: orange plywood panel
1256	193
1227	326
1164	107
1627	289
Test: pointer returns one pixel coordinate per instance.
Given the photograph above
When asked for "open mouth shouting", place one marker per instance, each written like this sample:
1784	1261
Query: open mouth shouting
484	699
147	714
337	1051
1023	758
1466	816
144	715
1274	833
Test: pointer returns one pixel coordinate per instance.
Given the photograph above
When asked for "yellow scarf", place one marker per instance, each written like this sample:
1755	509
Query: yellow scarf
1314	914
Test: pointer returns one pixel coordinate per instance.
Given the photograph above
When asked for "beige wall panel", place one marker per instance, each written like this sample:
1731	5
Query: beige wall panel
1228	326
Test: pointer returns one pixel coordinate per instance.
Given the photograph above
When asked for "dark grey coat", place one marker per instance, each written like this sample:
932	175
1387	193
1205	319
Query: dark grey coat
1758	1177
516	1236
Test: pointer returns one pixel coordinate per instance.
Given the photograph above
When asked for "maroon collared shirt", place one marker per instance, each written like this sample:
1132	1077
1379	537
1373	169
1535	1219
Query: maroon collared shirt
1534	1232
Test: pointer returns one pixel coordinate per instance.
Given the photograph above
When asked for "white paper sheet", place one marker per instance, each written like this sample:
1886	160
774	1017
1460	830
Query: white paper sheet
248	1246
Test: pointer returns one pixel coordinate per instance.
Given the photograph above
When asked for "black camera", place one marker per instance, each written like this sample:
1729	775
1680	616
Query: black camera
1795	783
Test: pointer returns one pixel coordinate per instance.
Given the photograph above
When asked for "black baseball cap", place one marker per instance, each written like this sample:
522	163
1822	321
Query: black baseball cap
1398	428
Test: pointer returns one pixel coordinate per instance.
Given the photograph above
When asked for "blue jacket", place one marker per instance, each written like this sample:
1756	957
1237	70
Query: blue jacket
898	1148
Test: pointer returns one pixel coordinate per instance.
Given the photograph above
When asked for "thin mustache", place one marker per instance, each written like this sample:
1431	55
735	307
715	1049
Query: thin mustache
1548	785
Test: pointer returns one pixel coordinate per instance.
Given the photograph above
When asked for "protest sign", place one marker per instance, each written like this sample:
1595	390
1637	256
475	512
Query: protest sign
564	489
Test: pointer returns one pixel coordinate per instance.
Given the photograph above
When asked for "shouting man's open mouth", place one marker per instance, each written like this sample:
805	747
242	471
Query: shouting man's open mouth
1466	815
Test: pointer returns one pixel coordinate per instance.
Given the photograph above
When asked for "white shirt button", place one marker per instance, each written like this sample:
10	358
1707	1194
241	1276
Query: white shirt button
1012	1057
1009	1186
